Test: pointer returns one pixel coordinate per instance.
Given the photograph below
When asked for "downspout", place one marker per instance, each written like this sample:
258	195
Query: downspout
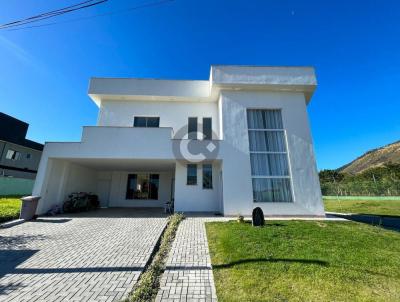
1	157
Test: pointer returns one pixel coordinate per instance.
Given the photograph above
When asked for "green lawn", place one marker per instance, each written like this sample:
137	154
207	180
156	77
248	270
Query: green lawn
9	208
376	207
304	261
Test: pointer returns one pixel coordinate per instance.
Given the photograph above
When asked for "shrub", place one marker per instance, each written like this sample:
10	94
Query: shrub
147	287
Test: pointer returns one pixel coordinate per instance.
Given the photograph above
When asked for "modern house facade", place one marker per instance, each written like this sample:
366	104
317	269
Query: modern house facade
227	145
19	157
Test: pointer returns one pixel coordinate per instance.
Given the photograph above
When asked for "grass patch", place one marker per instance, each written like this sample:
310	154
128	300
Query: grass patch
304	261
359	206
9	208
149	282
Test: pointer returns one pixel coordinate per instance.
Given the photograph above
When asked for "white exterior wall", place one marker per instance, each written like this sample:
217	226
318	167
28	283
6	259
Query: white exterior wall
237	190
172	114
63	178
224	98
193	198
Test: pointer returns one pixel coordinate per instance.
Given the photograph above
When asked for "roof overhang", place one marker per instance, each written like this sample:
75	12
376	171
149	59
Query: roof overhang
258	78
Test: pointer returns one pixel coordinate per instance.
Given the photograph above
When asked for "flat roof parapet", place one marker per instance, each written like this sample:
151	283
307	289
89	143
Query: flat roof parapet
296	79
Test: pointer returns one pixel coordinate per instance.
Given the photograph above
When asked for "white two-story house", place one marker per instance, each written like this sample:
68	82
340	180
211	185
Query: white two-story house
227	145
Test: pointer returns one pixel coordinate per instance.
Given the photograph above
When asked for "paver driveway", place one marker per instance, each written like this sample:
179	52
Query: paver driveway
93	256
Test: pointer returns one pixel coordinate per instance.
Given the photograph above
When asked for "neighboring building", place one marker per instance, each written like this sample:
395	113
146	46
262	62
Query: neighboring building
19	156
238	141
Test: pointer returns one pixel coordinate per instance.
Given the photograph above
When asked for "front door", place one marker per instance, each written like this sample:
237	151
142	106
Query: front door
103	189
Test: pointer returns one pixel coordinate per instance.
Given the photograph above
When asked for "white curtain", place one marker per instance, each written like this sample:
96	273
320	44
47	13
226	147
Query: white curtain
271	190
264	143
263	164
272	141
264	119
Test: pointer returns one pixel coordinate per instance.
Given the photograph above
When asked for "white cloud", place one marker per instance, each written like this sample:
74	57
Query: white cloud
19	53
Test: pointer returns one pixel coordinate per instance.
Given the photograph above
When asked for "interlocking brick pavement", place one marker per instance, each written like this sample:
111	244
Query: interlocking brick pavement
93	256
188	276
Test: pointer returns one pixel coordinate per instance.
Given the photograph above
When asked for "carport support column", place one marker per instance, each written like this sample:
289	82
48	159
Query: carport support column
63	181
47	174
42	180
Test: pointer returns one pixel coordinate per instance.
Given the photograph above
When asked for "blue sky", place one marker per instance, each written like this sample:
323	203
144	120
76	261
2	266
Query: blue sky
354	46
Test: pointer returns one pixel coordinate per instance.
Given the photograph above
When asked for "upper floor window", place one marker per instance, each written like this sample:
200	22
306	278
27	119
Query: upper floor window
13	155
146	121
268	156
207	128
192	128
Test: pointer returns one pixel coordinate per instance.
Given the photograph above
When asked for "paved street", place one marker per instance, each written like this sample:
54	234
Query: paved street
389	222
93	256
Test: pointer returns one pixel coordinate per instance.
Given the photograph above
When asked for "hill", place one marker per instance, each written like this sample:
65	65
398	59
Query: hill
373	158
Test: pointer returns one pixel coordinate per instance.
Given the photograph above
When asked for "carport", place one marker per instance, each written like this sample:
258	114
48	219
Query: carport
118	182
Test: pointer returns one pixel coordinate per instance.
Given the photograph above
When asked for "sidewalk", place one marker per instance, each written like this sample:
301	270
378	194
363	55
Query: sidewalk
189	274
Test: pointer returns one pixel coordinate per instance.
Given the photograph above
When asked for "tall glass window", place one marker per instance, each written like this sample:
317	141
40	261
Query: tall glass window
191	177
207	128
268	156
207	176
192	128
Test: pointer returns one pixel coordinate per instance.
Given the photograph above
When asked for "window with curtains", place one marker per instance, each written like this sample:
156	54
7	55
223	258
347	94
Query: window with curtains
268	156
142	186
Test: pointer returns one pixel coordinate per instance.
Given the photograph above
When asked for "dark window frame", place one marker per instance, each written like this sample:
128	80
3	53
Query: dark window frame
191	180
16	155
147	120
192	122
207	128
153	183
207	184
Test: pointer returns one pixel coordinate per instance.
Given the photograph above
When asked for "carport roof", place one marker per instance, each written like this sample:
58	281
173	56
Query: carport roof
107	164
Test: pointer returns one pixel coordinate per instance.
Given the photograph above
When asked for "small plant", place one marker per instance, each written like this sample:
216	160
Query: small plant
240	219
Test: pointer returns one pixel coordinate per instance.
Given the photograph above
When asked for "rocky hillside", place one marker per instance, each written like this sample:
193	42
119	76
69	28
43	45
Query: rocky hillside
374	158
